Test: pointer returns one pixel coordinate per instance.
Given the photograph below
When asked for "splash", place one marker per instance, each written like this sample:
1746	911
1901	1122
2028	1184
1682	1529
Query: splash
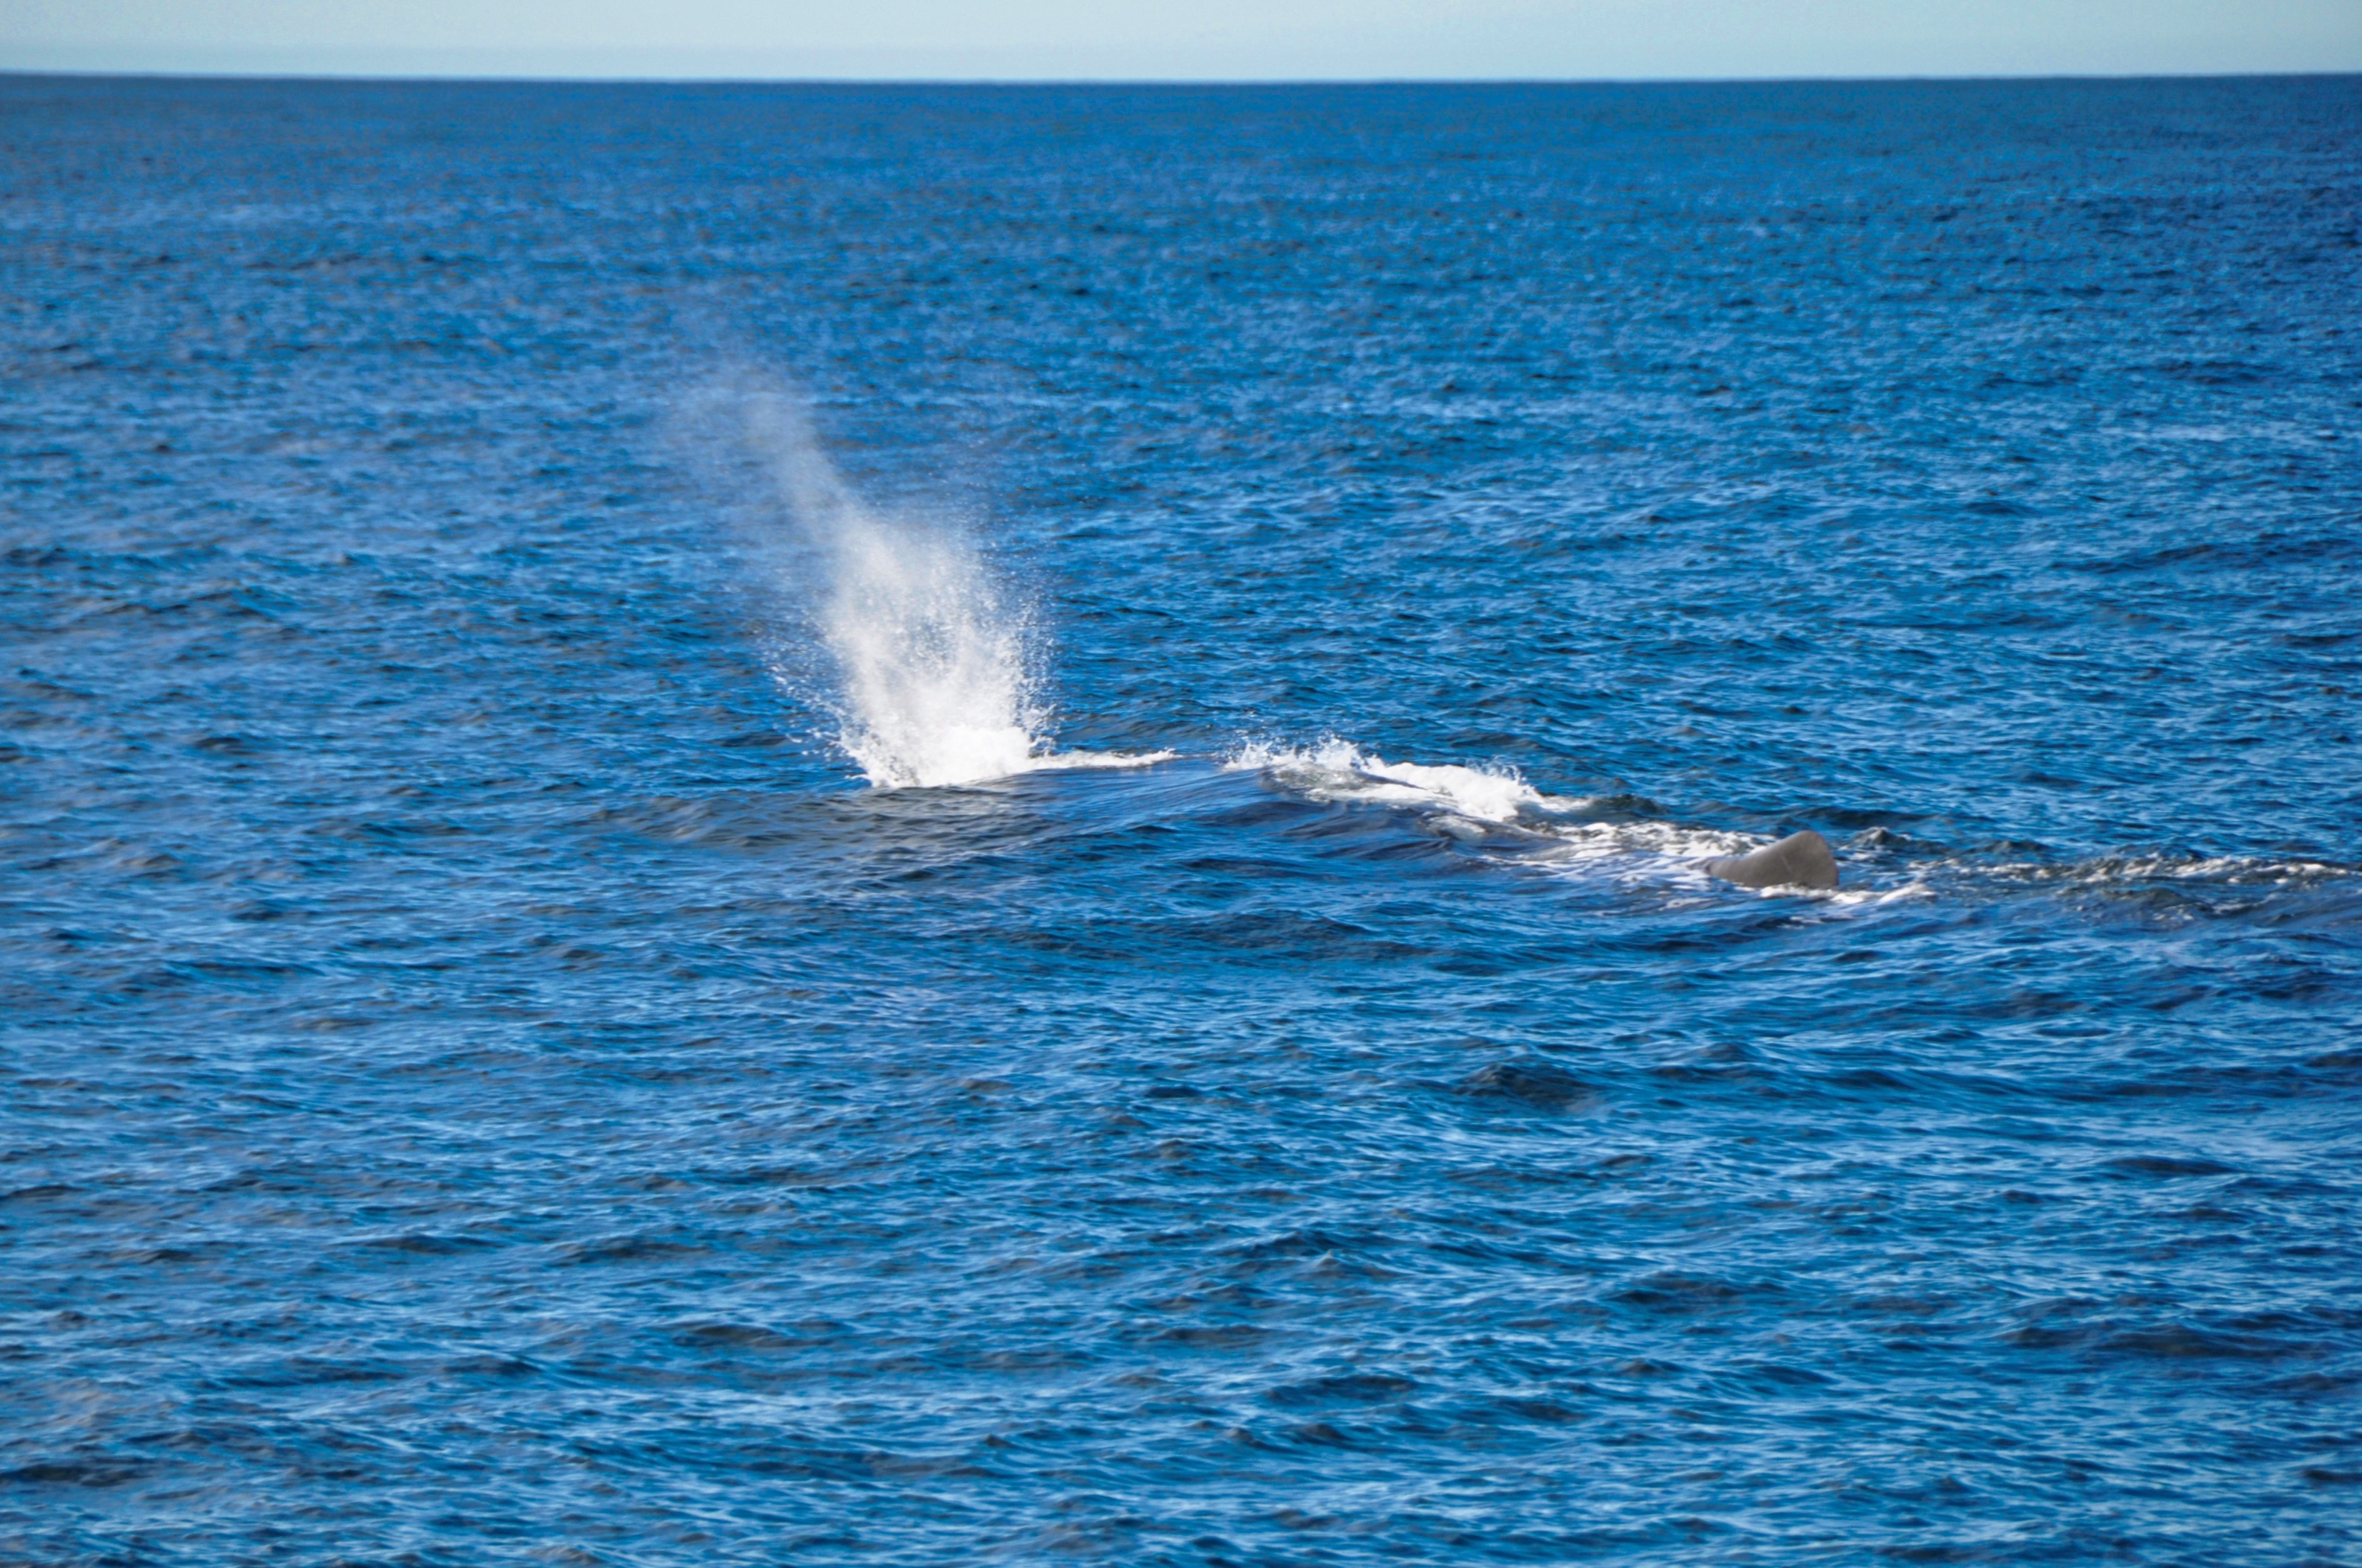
1475	804
935	679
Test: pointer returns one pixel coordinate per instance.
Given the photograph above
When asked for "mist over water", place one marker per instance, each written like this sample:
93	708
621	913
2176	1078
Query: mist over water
932	683
563	1000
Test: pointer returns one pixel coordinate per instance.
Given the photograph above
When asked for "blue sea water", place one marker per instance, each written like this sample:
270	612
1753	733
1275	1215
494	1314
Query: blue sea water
570	997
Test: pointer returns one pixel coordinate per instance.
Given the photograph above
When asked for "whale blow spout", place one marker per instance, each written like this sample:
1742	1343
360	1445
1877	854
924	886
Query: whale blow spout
1801	859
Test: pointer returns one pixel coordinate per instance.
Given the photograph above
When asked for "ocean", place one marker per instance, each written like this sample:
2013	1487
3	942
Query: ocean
924	824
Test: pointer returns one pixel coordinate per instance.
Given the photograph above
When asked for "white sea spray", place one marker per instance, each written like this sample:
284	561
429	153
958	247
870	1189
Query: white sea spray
934	661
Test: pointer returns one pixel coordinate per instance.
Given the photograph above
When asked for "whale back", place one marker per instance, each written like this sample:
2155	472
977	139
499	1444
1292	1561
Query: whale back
1801	859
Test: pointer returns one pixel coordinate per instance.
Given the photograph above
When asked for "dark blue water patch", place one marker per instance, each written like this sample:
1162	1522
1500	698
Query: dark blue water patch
483	1078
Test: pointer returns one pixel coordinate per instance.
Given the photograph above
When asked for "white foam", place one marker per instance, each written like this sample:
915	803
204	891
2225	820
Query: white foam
1338	770
1051	761
1873	897
1474	804
1587	844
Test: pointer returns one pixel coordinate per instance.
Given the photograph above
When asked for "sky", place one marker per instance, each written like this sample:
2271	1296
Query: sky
1183	39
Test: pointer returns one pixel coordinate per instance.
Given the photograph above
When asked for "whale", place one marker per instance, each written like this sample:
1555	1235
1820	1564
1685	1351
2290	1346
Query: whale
1801	859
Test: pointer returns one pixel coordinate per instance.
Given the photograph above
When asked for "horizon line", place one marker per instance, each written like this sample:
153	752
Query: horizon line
654	80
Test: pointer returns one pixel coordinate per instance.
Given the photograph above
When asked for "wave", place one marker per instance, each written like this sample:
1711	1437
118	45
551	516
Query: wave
1494	797
1340	771
1493	803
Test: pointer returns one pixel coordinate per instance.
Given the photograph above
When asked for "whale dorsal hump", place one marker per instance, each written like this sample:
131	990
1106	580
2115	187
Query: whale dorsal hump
1801	859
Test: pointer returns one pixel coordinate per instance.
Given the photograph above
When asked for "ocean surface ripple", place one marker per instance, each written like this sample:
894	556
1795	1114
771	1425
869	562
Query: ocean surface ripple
909	825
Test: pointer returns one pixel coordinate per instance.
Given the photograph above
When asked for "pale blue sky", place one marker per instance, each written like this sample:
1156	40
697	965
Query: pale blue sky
1190	39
